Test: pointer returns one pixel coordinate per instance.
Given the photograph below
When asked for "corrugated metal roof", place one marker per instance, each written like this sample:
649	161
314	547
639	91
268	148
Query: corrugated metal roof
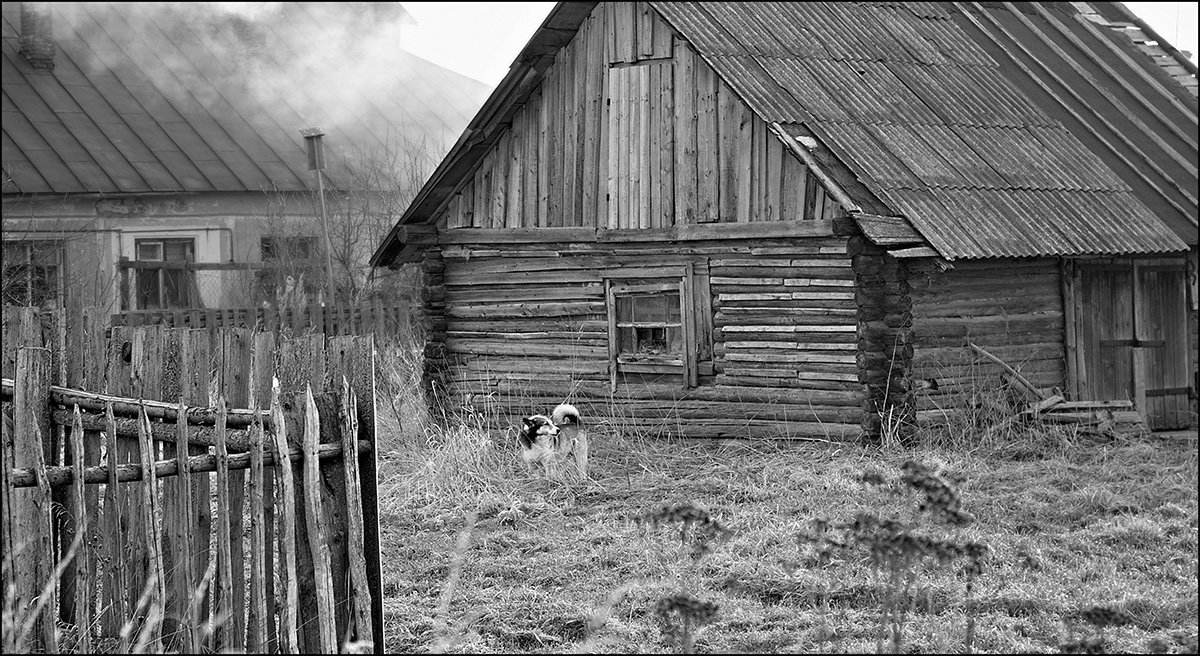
946	118
160	97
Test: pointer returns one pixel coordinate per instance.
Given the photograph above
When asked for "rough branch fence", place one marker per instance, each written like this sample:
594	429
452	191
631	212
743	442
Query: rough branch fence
156	512
331	319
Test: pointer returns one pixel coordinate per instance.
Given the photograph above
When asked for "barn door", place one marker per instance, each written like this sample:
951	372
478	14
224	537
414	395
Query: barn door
1162	330
1131	328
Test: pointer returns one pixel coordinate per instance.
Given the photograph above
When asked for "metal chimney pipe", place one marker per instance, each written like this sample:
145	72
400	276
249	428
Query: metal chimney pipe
316	162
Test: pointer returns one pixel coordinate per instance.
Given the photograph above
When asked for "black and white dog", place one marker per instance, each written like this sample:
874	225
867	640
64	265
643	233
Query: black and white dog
559	443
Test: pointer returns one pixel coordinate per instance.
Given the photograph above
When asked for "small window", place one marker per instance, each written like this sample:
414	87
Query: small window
658	325
171	286
32	273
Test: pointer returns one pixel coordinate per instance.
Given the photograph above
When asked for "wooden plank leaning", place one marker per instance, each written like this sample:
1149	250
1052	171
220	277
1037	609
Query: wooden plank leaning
288	640
317	538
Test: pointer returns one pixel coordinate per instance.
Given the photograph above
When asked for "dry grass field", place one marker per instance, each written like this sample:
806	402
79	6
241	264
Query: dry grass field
1091	544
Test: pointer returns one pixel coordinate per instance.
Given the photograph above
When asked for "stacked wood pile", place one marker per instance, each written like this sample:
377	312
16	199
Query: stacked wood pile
1098	417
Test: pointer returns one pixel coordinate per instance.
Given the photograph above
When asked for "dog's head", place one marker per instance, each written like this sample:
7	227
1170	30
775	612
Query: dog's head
534	427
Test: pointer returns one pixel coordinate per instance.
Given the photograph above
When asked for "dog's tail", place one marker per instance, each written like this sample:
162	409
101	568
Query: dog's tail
566	414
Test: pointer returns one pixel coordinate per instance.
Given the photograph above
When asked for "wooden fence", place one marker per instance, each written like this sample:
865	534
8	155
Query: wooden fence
149	505
382	320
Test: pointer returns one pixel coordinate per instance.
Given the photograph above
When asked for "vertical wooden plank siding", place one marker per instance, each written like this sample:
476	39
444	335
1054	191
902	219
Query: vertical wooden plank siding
631	129
708	145
686	117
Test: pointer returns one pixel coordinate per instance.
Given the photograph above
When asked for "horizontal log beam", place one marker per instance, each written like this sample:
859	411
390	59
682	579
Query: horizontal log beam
60	476
129	407
237	440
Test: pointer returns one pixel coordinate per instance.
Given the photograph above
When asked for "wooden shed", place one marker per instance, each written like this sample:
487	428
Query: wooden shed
788	219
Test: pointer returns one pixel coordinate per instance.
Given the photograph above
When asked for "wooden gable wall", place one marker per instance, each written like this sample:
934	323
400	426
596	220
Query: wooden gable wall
631	129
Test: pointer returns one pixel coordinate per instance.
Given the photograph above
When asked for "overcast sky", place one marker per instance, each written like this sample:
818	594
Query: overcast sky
481	39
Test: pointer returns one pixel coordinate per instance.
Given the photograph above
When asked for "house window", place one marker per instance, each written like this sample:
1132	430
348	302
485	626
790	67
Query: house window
660	325
289	257
171	285
32	273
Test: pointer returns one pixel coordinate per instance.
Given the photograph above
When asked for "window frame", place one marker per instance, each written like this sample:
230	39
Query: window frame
186	286
55	293
690	282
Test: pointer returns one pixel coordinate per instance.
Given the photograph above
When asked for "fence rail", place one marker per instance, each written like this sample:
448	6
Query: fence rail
151	510
331	319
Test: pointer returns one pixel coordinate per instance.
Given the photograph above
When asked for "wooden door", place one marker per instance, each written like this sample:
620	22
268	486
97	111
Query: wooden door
1106	336
1131	331
1162	330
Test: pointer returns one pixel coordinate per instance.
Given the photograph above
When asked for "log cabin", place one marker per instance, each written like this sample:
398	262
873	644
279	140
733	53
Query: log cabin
785	220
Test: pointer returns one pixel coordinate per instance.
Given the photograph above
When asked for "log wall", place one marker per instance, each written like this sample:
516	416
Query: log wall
1011	307
526	328
630	128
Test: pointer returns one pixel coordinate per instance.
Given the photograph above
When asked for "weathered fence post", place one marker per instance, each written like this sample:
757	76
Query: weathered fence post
31	512
115	584
323	577
84	587
224	608
155	578
286	504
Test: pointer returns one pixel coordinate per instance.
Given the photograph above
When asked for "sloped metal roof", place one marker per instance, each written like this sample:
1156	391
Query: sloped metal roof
996	131
168	97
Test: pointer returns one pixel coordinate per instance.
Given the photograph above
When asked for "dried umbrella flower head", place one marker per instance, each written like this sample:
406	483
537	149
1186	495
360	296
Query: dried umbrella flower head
707	533
680	615
941	496
1104	616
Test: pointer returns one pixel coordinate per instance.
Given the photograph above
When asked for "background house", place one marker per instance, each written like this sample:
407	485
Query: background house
774	219
152	153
